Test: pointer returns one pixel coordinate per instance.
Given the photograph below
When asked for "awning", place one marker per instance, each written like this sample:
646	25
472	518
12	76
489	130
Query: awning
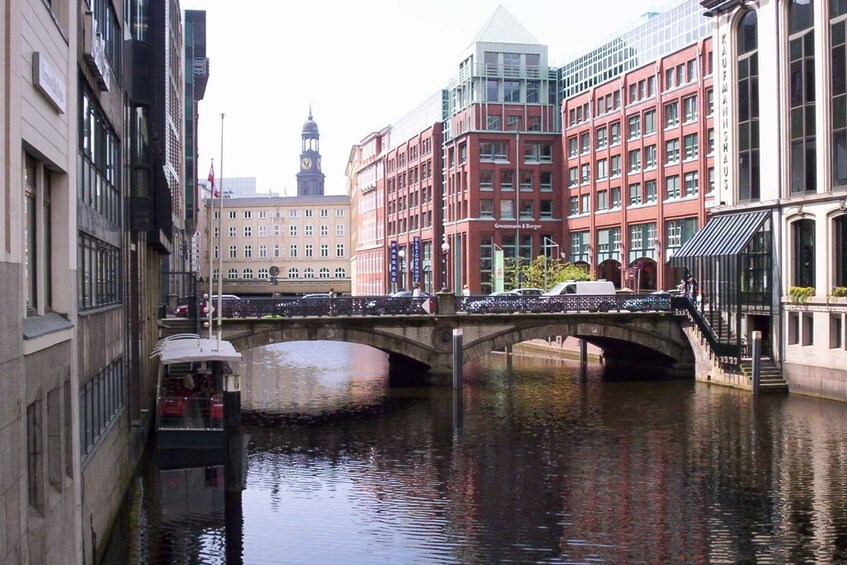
722	236
186	348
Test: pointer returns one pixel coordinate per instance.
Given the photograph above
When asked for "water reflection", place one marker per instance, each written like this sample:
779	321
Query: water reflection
544	468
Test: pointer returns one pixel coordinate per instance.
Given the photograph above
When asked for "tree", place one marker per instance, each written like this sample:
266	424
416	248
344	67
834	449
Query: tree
532	274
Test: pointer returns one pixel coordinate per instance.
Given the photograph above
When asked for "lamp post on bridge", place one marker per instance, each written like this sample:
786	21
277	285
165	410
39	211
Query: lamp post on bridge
445	249
545	245
402	256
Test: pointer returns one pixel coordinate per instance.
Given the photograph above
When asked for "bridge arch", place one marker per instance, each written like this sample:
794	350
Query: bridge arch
652	340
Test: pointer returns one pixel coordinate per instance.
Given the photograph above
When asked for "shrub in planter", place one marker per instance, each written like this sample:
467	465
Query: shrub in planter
800	294
839	292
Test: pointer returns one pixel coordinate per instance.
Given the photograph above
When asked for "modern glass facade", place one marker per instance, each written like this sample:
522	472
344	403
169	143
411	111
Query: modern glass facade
677	26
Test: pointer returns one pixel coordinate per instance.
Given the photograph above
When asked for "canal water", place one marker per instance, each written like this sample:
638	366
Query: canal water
531	463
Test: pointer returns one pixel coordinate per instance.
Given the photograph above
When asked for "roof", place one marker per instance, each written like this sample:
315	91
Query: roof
723	236
187	348
502	27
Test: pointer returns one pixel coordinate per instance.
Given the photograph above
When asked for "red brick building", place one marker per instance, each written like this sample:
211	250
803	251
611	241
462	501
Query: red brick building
639	171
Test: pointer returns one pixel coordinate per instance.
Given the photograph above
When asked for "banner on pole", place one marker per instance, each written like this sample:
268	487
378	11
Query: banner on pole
498	271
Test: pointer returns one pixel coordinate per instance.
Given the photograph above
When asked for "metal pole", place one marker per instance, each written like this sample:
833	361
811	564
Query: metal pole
220	251
208	300
757	361
518	210
583	359
457	358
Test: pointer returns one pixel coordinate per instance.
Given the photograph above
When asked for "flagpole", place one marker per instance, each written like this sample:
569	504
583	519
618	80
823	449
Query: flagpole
211	205
220	251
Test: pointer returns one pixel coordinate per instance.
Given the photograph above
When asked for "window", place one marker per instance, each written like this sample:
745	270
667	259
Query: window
248	214
670	78
602	138
263	252
615	165
292	231
493	151
292	213
838	83
340	273
307	230
486	179
324	230
339	230
545	180
711	173
248	251
324	250
546	209
101	400
691	68
247	274
635	194
689	143
526	212
507	179
37	242
263	214
277	230
277	251
650	191
511	91
232	214
689	108
584	143
649	122
507	210
493	122
35	455
233	251
573	147
671	114
801	96
526	181
602	200
293	273
671	187
99	165
585	173
602	169
308	250
803	237
633	127
616	197
710	149
710	102
292	250
232	273
615	133
263	231
99	272
671	151
486	208
634	161
650	158
585	204
573	176
573	206
233	231
692	183
839	236
248	231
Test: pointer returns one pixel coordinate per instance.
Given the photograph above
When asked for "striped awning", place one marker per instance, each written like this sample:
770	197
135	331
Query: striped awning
722	236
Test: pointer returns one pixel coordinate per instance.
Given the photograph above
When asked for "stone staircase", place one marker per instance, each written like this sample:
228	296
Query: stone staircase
770	376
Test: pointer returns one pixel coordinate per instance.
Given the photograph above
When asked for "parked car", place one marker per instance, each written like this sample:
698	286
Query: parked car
408	294
312	304
400	302
529	291
657	300
495	303
582	287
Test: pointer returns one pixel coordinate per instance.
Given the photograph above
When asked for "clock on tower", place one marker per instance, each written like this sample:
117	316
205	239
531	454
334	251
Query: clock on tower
310	179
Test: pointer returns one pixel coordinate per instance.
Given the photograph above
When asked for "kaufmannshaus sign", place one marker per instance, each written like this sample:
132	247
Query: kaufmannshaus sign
521	226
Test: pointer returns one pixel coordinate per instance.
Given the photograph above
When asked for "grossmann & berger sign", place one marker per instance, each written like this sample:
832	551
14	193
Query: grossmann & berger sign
518	226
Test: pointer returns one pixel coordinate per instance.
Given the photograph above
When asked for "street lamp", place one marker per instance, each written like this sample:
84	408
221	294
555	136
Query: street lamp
546	245
445	249
402	256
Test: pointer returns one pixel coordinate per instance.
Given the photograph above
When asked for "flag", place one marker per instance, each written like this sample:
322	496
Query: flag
212	180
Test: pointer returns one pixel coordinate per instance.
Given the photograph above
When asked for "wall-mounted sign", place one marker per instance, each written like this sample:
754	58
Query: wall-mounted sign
392	264
518	226
49	82
416	259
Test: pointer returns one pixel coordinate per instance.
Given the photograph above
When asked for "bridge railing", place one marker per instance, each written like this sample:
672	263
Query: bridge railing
564	303
287	307
723	351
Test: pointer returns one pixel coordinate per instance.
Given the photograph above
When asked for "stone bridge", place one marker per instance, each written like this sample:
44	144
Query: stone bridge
631	340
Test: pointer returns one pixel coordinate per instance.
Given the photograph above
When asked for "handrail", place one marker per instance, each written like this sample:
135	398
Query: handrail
718	348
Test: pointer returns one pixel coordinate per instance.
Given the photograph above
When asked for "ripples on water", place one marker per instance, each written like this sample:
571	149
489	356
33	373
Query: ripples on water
528	465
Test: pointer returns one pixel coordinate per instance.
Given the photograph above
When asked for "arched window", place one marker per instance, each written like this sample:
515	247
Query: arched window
308	273
324	273
247	274
340	273
748	107
838	82
839	236
803	242
263	273
801	95
293	273
232	274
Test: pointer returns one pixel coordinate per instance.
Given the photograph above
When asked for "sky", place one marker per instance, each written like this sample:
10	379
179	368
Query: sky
360	66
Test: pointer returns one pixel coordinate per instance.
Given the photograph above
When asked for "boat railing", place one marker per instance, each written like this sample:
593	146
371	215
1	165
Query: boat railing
191	412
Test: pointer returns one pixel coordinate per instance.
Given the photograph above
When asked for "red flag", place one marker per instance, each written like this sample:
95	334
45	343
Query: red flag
212	180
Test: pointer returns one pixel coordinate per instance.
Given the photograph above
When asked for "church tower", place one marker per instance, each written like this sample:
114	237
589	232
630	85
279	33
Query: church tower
310	179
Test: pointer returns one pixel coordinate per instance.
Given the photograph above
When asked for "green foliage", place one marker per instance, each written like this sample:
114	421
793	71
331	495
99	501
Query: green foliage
839	292
532	273
800	294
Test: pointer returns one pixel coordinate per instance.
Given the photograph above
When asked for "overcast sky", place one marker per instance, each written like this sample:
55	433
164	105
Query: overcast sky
361	65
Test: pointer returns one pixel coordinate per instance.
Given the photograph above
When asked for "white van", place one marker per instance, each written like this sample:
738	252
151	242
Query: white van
582	287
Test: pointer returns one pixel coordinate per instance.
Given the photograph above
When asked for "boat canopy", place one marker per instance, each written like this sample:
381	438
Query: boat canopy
187	348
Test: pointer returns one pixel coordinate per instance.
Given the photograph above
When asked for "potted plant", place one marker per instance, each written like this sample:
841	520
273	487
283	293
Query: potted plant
800	294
